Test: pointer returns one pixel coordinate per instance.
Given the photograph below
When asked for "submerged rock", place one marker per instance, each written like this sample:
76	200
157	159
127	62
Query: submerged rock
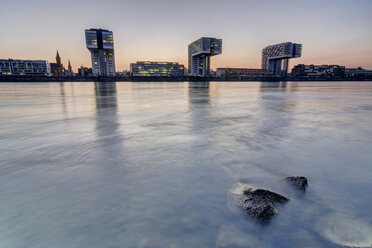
345	230
261	204
299	182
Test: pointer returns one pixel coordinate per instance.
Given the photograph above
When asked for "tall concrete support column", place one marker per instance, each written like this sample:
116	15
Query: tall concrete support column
275	65
207	66
285	66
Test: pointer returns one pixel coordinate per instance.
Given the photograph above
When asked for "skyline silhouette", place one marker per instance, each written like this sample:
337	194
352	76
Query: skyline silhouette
331	33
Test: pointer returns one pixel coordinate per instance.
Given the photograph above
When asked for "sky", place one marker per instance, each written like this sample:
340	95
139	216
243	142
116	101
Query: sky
331	31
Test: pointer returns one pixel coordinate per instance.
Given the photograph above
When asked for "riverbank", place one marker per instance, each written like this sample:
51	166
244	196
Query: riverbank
169	79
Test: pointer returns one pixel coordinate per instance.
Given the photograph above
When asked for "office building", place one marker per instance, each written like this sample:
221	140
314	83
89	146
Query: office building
200	52
318	71
276	57
358	73
5	67
243	72
100	43
157	69
19	67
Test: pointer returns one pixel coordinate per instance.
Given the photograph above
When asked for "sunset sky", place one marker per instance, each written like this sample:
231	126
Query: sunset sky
331	31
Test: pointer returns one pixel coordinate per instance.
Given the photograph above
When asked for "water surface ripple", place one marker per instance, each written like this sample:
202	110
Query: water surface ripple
152	164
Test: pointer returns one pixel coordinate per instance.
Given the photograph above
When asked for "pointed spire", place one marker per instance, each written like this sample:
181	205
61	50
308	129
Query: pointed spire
60	66
69	66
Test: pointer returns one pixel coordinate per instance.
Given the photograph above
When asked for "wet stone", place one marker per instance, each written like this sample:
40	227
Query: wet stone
261	204
298	182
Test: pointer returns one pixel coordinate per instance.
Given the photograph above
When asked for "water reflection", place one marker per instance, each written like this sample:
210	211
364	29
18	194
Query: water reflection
277	85
199	99
276	109
199	93
63	99
107	120
281	86
106	96
204	124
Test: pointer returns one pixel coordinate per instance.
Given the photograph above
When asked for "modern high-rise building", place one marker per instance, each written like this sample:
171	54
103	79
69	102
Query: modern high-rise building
157	69
276	57
200	52
100	43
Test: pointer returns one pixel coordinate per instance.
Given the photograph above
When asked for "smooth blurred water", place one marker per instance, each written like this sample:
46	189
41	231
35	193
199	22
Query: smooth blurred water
153	164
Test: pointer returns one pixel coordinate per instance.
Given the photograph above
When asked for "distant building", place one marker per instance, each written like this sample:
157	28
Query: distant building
243	72
6	67
213	73
276	57
60	69
302	70
200	52
358	73
19	67
57	68
100	43
85	72
53	69
123	73
157	69
69	72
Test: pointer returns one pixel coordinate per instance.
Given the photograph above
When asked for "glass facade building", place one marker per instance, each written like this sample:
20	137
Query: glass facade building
100	43
200	52
302	70
276	57
157	69
19	67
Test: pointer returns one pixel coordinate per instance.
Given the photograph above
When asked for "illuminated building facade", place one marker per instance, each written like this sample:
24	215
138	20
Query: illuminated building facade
318	71
200	52
157	69
276	57
243	72
100	43
5	67
19	67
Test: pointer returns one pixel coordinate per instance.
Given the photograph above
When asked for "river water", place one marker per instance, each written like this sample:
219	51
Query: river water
154	164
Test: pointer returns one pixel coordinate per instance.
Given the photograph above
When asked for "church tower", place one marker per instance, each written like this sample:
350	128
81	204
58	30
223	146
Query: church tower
70	72
59	70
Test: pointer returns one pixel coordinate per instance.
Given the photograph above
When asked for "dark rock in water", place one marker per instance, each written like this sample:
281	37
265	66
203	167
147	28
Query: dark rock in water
261	204
298	182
